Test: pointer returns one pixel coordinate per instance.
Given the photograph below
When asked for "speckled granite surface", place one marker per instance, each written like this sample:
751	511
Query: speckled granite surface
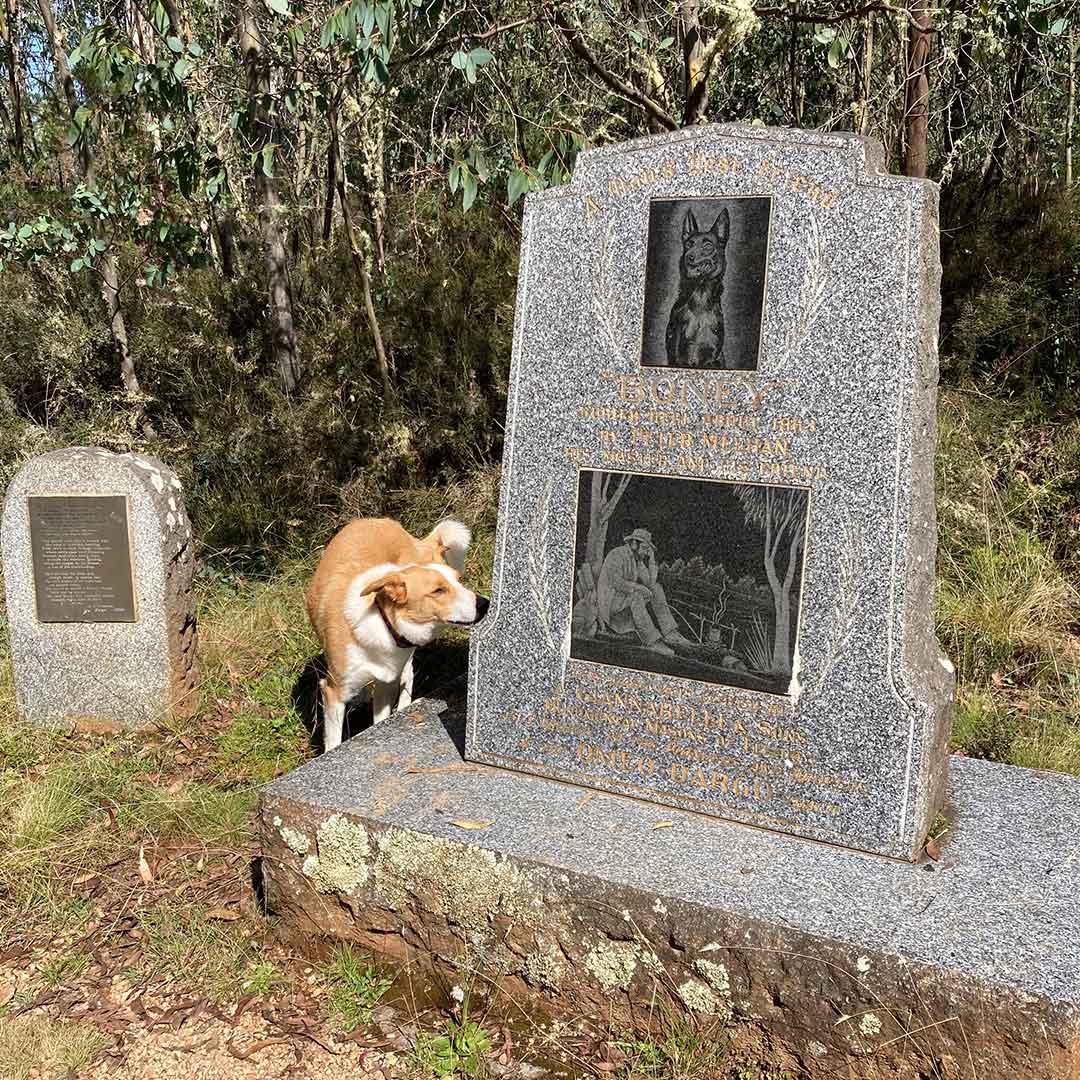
129	673
807	932
844	740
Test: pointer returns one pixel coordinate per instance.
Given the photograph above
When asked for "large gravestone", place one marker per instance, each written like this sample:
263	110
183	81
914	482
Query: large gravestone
97	572
782	471
714	571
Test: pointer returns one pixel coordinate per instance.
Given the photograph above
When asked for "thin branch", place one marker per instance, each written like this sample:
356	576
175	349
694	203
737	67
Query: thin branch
820	17
437	46
613	82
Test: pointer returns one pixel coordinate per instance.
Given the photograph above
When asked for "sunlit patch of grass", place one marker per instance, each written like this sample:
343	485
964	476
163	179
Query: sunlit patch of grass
65	969
262	746
355	985
38	1046
186	947
1006	607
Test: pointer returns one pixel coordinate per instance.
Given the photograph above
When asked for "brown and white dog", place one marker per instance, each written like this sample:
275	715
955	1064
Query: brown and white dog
377	595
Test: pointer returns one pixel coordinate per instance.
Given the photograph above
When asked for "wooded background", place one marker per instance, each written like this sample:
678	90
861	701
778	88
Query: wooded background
275	241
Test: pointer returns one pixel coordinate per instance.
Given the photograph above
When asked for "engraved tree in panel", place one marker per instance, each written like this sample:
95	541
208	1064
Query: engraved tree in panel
781	514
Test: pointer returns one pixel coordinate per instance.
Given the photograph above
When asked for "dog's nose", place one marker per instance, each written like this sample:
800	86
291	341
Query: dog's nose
482	605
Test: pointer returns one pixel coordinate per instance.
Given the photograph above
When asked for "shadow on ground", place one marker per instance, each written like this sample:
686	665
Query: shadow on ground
436	665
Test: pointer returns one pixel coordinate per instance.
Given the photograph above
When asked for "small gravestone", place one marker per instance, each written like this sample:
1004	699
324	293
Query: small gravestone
714	572
98	565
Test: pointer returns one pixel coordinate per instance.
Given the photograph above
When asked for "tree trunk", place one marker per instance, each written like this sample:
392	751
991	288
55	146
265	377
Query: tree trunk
110	289
282	330
602	503
917	90
863	119
695	80
11	41
1070	114
994	166
781	657
358	264
958	106
331	183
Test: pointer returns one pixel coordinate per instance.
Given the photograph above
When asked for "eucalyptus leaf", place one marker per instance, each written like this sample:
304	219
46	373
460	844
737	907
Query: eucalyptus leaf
174	43
468	187
480	56
459	60
517	183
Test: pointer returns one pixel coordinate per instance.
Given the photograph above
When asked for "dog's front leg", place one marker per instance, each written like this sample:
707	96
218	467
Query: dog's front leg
383	696
333	710
405	697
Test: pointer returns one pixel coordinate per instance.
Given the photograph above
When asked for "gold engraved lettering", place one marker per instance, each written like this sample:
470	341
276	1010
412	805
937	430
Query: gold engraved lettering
797	183
796	425
592	208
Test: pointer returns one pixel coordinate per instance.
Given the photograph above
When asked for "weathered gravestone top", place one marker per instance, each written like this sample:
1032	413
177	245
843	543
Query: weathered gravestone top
715	556
97	571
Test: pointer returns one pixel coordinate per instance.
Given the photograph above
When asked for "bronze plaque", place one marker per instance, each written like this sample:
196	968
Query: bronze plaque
82	558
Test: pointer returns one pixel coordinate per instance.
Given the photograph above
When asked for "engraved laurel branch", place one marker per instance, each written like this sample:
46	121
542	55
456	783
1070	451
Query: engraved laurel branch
605	299
538	575
842	616
811	293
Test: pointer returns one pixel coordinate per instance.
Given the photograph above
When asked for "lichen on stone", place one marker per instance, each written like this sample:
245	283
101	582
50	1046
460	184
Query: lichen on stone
469	885
870	1024
716	975
341	863
295	840
697	997
544	968
612	964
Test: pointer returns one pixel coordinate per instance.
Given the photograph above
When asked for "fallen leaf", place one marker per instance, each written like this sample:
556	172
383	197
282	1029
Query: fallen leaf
7	992
933	848
663	825
587	799
473	824
224	914
144	867
175	786
82	879
996	680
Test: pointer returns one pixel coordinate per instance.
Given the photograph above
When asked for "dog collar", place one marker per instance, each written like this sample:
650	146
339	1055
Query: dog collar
399	641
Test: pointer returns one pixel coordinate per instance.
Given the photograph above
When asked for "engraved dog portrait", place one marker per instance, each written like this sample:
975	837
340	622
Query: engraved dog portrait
705	282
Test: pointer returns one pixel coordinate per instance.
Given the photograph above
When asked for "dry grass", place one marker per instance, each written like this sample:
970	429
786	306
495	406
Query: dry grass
37	1046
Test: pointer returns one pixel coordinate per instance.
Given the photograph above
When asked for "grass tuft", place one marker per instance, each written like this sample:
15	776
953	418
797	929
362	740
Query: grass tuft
36	1046
355	986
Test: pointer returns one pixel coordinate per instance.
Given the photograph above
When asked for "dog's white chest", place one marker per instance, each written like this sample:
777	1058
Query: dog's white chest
362	665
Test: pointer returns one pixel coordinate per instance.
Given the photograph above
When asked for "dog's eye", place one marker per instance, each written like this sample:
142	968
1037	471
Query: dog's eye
440	590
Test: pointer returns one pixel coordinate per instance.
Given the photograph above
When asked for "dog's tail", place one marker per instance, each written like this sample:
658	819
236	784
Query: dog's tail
453	538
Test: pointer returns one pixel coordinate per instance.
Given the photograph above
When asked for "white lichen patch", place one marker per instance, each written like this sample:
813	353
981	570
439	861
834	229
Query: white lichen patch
659	908
277	822
469	885
817	1049
341	864
716	975
863	964
294	840
870	1024
544	968
612	964
697	997
650	961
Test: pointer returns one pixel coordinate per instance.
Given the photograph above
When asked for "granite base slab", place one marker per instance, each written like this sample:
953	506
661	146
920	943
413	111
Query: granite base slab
586	903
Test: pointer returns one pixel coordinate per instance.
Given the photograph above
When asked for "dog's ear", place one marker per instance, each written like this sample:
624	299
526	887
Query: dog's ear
391	585
722	225
689	225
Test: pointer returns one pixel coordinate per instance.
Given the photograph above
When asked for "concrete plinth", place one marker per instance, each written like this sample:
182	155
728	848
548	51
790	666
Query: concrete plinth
590	901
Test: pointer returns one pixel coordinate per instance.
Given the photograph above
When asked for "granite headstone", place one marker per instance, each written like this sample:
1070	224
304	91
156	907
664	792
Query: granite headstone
714	569
98	577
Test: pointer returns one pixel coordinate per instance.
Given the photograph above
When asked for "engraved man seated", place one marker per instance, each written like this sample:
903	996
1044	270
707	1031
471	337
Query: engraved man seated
628	588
